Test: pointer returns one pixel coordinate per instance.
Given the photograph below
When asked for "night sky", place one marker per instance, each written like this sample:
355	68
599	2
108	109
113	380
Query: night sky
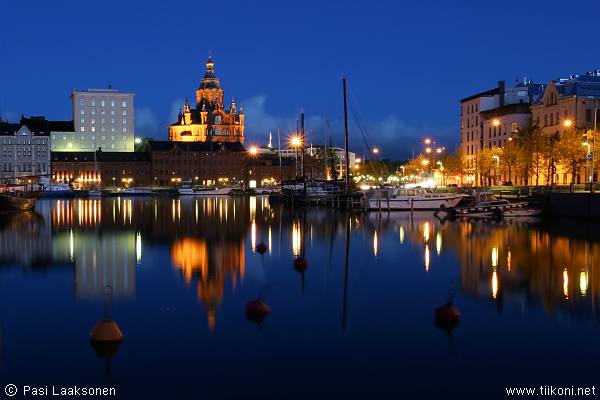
408	63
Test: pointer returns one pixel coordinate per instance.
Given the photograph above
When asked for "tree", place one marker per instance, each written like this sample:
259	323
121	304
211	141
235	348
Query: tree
572	152
532	142
511	157
551	155
486	161
453	164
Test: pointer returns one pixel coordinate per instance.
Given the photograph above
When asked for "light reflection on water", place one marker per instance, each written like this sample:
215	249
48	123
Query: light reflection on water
181	271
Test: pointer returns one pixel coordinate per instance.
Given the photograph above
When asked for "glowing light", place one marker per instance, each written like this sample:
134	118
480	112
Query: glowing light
428	150
138	140
253	150
269	239
296	238
425	162
438	243
566	283
138	247
296	141
583	283
375	150
496	122
509	260
567	123
427	258
375	244
253	235
71	244
252	208
427	141
495	256
494	284
401	235
426	232
438	150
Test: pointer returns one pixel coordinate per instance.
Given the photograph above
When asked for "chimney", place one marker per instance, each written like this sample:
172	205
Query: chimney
501	90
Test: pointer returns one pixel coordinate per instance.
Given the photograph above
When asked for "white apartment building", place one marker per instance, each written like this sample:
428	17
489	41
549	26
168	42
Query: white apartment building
102	118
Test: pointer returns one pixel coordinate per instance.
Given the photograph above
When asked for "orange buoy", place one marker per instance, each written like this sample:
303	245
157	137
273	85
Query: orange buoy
261	248
300	264
106	330
257	310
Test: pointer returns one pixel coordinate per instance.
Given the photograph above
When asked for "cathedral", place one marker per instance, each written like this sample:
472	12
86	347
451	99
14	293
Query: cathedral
209	121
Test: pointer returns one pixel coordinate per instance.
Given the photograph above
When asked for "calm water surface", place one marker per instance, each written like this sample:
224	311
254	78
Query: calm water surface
182	270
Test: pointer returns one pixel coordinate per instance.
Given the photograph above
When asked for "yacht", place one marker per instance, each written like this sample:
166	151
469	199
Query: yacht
213	191
58	190
402	199
136	191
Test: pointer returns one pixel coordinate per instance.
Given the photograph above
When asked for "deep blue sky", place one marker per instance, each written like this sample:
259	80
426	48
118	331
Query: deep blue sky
408	63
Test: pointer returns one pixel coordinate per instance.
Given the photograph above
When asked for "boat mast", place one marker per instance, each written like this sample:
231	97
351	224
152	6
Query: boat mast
347	171
303	150
280	164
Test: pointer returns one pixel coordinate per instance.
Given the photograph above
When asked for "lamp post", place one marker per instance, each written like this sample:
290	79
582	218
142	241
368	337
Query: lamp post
497	158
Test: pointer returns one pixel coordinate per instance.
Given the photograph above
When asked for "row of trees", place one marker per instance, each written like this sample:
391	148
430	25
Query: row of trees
532	156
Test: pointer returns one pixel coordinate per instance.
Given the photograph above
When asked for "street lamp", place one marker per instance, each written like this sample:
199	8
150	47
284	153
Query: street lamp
375	150
253	150
497	158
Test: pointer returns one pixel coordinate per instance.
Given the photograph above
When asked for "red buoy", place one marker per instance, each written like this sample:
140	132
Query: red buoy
257	310
300	264
447	316
261	248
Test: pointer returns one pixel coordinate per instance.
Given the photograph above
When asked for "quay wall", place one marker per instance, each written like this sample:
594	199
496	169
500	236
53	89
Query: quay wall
574	205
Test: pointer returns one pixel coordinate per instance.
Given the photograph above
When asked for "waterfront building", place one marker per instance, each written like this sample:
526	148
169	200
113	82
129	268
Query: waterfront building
102	119
101	169
26	147
209	121
203	163
492	118
576	101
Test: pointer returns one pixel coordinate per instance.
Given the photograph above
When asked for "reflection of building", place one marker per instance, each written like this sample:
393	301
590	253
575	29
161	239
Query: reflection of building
103	118
100	260
209	121
512	262
26	146
210	264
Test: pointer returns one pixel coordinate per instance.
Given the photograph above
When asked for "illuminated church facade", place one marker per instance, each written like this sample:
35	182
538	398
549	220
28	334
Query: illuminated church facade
209	121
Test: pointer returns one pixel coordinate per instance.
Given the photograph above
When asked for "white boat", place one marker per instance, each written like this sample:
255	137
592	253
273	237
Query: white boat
213	191
187	191
400	199
95	193
60	189
136	191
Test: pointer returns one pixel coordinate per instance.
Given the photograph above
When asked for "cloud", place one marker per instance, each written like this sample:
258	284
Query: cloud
146	122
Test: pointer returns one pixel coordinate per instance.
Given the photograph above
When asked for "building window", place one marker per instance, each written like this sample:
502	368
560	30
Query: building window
112	103
124	137
124	112
112	121
124	130
93	137
93	121
93	129
102	104
112	138
588	115
103	137
513	127
82	112
123	104
81	103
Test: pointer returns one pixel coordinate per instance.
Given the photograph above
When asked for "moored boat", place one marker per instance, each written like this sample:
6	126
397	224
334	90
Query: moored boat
58	190
11	202
135	191
400	199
